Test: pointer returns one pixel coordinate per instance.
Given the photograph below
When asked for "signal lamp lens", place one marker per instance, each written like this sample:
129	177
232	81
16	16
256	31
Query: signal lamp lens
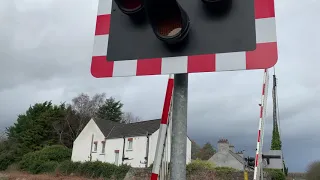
130	7
170	27
169	21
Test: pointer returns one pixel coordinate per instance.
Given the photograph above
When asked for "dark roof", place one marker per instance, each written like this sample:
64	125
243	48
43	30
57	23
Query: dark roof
112	129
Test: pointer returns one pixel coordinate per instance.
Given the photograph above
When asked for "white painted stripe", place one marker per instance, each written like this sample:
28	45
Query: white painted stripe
260	124
266	30
262	100
230	61
159	148
255	173
104	7
174	65
100	45
265	77
125	68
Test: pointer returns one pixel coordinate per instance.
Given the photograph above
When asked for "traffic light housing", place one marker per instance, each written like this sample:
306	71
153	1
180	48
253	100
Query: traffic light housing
198	27
250	161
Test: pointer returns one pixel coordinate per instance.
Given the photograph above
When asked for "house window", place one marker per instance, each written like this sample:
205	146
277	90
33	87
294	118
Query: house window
116	158
95	146
130	143
103	147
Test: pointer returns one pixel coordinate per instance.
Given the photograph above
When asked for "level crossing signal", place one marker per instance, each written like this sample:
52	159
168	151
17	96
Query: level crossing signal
151	37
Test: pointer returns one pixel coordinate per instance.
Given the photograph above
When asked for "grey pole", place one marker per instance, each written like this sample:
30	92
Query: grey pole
179	128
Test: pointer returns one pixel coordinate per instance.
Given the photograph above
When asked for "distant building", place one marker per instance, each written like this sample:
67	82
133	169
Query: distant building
226	156
273	163
107	141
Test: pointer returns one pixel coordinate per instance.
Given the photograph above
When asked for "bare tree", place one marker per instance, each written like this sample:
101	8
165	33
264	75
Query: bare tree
68	127
129	117
87	107
77	115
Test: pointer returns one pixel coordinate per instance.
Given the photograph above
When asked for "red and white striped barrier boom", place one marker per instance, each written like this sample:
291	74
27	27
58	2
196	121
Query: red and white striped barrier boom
264	117
163	129
263	105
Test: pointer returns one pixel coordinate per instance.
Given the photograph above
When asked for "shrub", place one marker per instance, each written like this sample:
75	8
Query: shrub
31	161
39	167
94	169
34	167
276	174
56	153
6	159
7	154
121	171
198	165
225	172
28	160
313	171
47	167
67	167
225	169
97	169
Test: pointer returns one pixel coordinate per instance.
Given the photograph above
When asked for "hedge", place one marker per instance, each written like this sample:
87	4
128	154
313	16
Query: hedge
198	165
94	169
276	174
47	158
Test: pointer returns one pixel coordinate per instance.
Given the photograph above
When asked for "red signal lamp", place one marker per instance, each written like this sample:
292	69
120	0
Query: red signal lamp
169	21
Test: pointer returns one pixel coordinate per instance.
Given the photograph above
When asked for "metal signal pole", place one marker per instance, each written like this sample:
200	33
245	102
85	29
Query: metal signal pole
179	128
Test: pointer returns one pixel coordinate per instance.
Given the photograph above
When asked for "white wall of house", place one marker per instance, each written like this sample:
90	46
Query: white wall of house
152	147
82	144
114	148
136	155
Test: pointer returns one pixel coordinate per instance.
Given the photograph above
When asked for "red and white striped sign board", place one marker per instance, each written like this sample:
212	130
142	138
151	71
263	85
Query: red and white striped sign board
263	57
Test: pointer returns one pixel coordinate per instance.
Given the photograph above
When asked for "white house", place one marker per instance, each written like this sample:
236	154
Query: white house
108	141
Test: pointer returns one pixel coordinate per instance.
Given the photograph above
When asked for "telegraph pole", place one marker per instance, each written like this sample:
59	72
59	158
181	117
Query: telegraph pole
274	99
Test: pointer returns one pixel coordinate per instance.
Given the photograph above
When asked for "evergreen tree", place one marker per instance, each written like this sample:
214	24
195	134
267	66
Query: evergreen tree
195	149
206	152
33	130
276	142
111	110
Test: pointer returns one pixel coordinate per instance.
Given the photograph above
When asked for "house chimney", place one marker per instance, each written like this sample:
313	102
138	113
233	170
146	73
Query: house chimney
223	145
231	148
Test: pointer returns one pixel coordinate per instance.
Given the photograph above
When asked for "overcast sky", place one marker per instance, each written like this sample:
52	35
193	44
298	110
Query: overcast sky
45	52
